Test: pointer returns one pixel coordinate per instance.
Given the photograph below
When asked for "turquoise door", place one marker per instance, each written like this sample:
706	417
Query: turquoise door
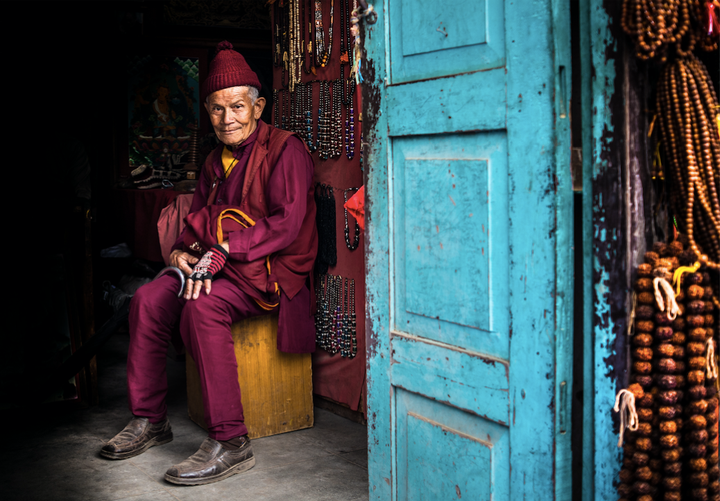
469	259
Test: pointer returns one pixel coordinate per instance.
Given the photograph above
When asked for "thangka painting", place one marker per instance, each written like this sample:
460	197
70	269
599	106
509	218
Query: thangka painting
163	105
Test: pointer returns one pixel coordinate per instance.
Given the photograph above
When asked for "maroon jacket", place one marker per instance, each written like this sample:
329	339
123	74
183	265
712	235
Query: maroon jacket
270	225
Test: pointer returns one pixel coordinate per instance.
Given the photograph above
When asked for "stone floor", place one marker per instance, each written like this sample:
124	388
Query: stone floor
54	456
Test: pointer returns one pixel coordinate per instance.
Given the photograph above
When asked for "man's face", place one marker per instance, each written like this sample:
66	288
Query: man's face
233	114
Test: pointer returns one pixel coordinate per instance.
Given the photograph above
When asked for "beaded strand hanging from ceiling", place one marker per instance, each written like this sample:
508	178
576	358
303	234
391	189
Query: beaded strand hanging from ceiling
687	109
658	25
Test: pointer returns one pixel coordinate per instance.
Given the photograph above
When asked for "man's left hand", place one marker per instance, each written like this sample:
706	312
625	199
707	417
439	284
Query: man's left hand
209	265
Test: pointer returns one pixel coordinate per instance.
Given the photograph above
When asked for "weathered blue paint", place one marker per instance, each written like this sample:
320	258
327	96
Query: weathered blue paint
600	452
468	244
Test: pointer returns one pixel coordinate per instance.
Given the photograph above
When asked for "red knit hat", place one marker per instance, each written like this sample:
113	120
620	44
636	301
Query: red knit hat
228	69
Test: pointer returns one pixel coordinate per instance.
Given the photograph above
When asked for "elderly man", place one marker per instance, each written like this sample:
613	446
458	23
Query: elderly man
248	248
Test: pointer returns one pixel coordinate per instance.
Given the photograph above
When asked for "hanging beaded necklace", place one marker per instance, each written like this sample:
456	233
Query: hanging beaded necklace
657	25
322	49
687	108
307	45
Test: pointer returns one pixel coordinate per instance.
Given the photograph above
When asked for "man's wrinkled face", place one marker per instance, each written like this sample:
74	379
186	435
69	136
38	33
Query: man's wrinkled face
233	114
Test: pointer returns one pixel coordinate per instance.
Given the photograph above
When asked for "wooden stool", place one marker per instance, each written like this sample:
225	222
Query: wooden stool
276	387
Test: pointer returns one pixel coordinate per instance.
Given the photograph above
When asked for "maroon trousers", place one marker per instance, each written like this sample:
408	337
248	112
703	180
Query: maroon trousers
157	316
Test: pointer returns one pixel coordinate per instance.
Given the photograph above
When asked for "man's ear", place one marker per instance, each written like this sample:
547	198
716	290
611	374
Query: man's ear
207	107
259	107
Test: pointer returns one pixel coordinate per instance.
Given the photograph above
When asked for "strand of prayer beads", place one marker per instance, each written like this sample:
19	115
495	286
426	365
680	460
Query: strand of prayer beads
658	25
687	108
322	49
335	318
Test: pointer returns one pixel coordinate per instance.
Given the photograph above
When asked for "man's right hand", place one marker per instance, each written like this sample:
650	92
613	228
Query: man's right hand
183	260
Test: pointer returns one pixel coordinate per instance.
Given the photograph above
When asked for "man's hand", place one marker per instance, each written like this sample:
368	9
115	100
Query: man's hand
209	265
183	260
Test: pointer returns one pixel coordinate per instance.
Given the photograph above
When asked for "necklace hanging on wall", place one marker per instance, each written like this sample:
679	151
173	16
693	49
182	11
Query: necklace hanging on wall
356	239
308	43
323	50
336	119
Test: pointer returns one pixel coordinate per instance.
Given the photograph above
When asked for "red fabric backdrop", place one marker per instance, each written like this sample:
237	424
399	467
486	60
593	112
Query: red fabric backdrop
337	378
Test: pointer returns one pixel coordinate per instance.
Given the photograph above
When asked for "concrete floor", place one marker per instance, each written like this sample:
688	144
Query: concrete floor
55	455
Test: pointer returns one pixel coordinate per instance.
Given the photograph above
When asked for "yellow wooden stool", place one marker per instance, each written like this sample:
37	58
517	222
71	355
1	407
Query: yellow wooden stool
276	387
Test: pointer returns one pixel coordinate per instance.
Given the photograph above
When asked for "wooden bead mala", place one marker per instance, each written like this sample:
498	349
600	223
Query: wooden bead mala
657	25
671	452
687	108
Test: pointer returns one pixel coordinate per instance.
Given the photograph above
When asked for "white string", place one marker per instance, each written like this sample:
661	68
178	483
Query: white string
625	405
711	370
672	307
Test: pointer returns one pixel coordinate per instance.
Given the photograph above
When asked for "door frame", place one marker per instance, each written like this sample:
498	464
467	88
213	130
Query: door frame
381	443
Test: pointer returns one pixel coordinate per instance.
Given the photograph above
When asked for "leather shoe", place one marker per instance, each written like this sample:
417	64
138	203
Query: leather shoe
137	437
212	463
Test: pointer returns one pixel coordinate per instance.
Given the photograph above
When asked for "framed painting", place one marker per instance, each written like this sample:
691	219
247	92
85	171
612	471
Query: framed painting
163	107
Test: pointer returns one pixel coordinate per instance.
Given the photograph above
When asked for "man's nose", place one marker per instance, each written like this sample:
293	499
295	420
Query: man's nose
227	117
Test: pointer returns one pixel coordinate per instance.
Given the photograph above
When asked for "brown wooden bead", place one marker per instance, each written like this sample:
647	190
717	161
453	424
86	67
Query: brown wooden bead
695	349
670	455
624	490
668	397
668	441
695	292
672	483
697	422
698	436
642	340
665	412
646	297
640	459
679	352
696	450
642	367
696	363
666	365
643	444
695	320
665	350
645	270
641	487
699	479
643	353
644	326
668	427
697	464
694	377
699	494
644	284
672	496
672	469
678	324
697	407
678	339
660	318
697	392
644	312
713	472
644	429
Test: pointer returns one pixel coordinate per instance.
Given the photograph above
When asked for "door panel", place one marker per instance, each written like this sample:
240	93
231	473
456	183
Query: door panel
473	463
445	105
468	380
451	276
467	208
434	39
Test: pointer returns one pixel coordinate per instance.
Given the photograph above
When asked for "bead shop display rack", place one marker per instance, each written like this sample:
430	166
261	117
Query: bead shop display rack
315	95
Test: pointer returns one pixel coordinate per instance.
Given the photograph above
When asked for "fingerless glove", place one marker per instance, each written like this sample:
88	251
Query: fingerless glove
210	264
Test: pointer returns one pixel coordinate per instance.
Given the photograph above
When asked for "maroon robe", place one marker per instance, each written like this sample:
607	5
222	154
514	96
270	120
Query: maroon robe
272	258
272	180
